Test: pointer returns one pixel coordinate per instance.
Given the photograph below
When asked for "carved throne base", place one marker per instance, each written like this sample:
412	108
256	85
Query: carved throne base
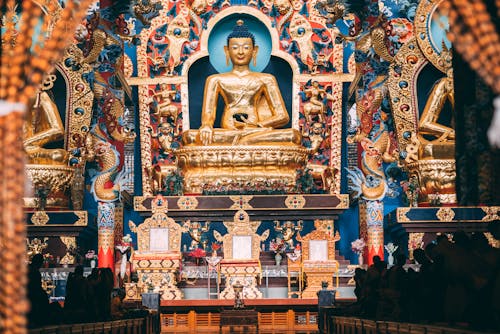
436	179
315	275
238	166
56	179
157	272
244	273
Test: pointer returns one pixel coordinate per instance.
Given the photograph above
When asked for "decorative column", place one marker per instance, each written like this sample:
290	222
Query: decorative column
105	231
371	218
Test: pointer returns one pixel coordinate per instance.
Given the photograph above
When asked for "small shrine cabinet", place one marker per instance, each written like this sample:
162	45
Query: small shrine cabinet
241	256
318	257
158	256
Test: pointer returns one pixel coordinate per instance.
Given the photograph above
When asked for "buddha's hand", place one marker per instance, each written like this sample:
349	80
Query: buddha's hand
206	134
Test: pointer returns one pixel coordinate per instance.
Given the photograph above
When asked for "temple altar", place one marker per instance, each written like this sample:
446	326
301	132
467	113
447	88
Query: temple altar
227	136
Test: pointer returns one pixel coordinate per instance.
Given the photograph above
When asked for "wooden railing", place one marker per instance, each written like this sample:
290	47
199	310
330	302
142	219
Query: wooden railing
350	325
148	324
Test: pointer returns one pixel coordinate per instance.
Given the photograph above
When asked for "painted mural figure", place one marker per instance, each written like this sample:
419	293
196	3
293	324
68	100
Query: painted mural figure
254	107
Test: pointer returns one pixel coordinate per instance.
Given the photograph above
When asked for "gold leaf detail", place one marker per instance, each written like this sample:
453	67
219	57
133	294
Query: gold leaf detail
445	214
295	202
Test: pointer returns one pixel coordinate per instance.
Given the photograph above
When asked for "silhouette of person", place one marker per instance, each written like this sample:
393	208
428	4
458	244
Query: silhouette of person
37	315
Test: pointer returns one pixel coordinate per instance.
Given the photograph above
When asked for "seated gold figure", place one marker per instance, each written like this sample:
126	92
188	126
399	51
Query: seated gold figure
432	152
437	140
42	127
249	148
47	168
254	107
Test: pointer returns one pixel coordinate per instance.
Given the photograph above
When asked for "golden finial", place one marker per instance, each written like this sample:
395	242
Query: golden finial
239	22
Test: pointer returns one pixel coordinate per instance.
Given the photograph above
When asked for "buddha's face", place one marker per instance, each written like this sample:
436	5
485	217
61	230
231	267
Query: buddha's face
241	50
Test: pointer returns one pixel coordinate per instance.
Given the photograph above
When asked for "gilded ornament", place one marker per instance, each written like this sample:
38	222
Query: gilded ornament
70	243
402	215
40	218
445	214
36	246
425	12
164	109
301	32
241	202
195	231
229	165
415	241
67	259
491	240
187	203
491	213
315	107
295	201
344	201
56	179
139	203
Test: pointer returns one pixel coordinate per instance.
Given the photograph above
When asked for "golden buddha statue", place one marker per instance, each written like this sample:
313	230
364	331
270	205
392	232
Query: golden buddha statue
43	127
47	168
431	152
254	107
437	140
249	147
442	91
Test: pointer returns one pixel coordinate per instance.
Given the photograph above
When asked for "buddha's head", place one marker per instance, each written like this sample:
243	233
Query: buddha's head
241	48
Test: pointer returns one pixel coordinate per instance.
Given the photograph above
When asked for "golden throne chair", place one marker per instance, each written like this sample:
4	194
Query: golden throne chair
318	258
241	256
158	256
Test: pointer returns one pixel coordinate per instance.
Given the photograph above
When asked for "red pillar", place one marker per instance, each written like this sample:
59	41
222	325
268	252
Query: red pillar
105	231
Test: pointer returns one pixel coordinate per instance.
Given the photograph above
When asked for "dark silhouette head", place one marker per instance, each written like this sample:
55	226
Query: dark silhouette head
420	256
401	259
37	261
79	270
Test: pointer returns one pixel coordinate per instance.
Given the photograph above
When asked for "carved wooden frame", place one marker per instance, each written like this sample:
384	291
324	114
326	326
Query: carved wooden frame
318	234
159	219
241	226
